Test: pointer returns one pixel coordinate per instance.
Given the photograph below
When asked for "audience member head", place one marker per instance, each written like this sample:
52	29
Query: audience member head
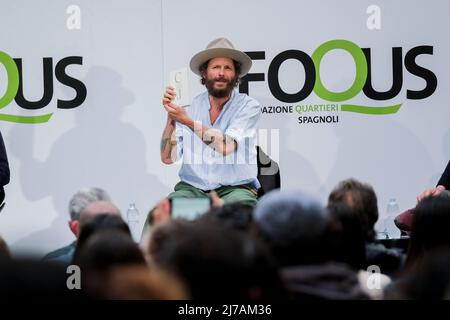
80	201
98	223
140	282
108	247
96	208
430	226
361	199
105	248
215	261
345	237
162	237
234	215
293	224
429	280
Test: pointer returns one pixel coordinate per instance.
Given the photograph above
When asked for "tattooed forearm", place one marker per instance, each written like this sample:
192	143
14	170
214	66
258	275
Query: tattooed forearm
164	142
168	143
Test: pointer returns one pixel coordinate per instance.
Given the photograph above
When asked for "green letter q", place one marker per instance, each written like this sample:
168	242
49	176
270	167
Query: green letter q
13	79
361	70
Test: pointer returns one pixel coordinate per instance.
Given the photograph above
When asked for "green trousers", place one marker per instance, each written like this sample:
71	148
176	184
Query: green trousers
243	193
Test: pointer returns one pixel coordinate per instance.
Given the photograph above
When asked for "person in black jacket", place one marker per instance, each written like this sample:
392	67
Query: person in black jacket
404	220
443	184
4	169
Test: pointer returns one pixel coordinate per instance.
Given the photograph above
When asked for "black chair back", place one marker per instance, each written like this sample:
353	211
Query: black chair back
268	173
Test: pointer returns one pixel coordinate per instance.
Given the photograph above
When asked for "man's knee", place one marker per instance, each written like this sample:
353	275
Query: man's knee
240	195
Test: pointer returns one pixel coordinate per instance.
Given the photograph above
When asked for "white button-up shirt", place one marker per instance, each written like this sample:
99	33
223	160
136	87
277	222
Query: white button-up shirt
207	169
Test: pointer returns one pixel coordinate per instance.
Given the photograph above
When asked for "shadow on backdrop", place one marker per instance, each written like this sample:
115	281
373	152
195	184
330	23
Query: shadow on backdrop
101	151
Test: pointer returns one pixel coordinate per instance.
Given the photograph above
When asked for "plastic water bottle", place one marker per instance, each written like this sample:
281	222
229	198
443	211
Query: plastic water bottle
133	221
392	211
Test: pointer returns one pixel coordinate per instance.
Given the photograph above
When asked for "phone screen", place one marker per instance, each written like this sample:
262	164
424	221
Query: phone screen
189	208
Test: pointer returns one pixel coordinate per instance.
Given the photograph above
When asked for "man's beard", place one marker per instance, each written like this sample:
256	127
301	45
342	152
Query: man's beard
220	93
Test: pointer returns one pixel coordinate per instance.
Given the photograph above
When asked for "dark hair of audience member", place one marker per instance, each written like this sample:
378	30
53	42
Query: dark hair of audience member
293	229
216	262
361	198
430	228
429	280
345	237
140	282
97	223
106	248
103	250
234	215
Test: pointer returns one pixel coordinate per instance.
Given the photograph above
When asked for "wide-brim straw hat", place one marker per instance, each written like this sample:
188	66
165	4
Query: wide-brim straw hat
221	48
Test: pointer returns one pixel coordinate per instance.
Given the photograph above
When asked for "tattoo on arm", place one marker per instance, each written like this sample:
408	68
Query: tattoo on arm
164	142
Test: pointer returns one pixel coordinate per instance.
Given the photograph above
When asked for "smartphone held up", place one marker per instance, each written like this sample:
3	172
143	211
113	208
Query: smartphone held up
189	208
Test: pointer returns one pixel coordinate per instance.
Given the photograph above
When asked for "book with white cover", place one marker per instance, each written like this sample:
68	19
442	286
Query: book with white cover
179	79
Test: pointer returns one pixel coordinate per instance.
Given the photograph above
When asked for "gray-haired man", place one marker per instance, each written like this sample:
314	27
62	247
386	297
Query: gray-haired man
77	204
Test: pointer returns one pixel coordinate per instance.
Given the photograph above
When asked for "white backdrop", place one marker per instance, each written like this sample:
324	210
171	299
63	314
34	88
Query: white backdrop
128	49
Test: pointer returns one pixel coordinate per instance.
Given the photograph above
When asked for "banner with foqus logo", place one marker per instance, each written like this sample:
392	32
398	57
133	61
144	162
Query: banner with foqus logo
349	89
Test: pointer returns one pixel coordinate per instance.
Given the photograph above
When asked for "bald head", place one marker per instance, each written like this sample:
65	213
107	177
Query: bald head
98	208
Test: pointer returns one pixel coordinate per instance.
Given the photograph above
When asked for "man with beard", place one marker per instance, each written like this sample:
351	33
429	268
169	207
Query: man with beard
215	136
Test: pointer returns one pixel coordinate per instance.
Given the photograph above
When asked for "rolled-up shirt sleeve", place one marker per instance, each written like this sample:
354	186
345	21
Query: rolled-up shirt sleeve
245	124
179	140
